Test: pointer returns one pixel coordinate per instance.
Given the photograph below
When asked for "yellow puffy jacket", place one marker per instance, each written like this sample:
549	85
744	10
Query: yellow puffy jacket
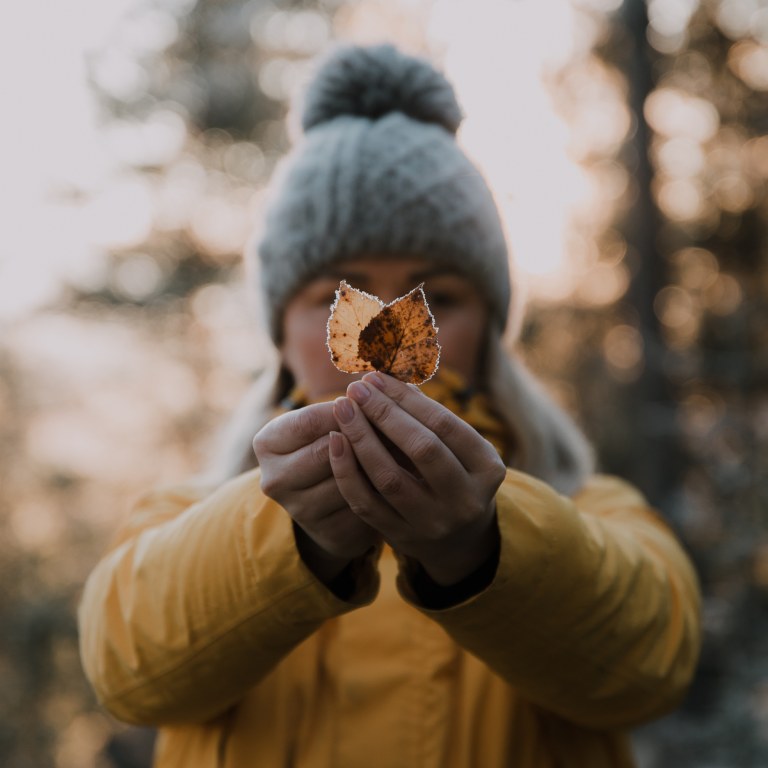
203	620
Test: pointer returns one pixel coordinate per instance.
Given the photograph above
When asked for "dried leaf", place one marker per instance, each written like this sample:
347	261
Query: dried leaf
350	313
399	339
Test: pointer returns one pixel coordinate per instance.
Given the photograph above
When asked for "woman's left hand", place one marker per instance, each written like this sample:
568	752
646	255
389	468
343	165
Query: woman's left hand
443	514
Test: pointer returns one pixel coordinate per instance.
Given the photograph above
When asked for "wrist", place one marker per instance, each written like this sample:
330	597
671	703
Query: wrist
324	565
435	596
463	554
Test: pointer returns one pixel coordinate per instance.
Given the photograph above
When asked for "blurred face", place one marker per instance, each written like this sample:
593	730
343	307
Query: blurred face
459	310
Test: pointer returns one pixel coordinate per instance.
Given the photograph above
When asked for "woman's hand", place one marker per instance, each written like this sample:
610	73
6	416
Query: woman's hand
442	513
292	450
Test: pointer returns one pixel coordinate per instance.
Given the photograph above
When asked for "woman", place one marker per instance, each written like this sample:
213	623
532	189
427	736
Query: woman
410	577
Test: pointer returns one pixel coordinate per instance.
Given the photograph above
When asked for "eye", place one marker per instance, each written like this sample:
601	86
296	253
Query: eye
444	299
321	293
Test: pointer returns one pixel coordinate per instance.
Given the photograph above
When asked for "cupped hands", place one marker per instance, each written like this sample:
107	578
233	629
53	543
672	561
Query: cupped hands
437	506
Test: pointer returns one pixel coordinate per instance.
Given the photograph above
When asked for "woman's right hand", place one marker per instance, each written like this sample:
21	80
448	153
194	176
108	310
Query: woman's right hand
292	450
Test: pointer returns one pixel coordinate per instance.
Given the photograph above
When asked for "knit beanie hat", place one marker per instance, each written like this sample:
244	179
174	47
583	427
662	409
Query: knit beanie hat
378	174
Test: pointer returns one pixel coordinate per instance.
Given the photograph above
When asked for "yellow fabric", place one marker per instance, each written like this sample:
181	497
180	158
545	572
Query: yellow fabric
202	619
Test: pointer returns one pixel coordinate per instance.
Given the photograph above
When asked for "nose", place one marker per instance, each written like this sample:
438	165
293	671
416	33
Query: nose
389	293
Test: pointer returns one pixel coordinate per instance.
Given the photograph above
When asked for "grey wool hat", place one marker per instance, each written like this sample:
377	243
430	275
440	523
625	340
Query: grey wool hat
378	173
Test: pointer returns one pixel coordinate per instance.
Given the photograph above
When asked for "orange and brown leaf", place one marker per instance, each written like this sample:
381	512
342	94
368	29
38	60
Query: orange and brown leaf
399	339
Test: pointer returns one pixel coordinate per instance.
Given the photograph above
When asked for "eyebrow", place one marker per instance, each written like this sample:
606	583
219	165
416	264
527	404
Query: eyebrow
346	274
424	274
350	276
420	276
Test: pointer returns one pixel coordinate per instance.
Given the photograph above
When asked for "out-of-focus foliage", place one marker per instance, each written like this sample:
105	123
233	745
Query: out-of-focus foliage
675	387
657	339
117	384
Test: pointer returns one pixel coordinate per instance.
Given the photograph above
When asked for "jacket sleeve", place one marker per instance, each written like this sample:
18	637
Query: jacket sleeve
197	601
593	612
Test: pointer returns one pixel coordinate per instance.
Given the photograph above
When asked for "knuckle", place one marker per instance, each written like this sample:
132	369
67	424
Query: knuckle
426	449
439	531
496	472
265	440
306	422
301	516
344	475
463	512
436	530
355	433
442	422
319	452
340	470
381	411
270	486
388	483
259	444
475	511
358	509
398	391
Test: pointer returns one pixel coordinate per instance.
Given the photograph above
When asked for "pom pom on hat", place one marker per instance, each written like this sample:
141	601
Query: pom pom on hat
372	82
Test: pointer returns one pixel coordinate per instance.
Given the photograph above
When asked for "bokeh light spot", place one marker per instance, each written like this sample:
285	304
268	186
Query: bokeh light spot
756	154
153	142
699	412
733	194
680	157
680	199
759	25
673	112
671	17
623	351
37	524
221	225
121	214
724	295
749	60
697	268
603	284
674	306
734	17
138	276
120	75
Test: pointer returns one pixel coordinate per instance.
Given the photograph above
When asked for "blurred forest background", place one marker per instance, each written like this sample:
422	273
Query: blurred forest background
627	144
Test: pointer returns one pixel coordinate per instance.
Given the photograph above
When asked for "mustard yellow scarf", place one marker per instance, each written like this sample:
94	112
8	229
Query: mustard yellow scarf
449	389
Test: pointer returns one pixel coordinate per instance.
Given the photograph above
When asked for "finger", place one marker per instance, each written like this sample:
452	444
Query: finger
385	474
303	468
360	496
295	429
464	441
339	533
435	462
315	503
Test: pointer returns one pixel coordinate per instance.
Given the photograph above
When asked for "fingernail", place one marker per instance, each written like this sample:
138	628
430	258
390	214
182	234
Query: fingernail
337	445
344	410
358	391
376	379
